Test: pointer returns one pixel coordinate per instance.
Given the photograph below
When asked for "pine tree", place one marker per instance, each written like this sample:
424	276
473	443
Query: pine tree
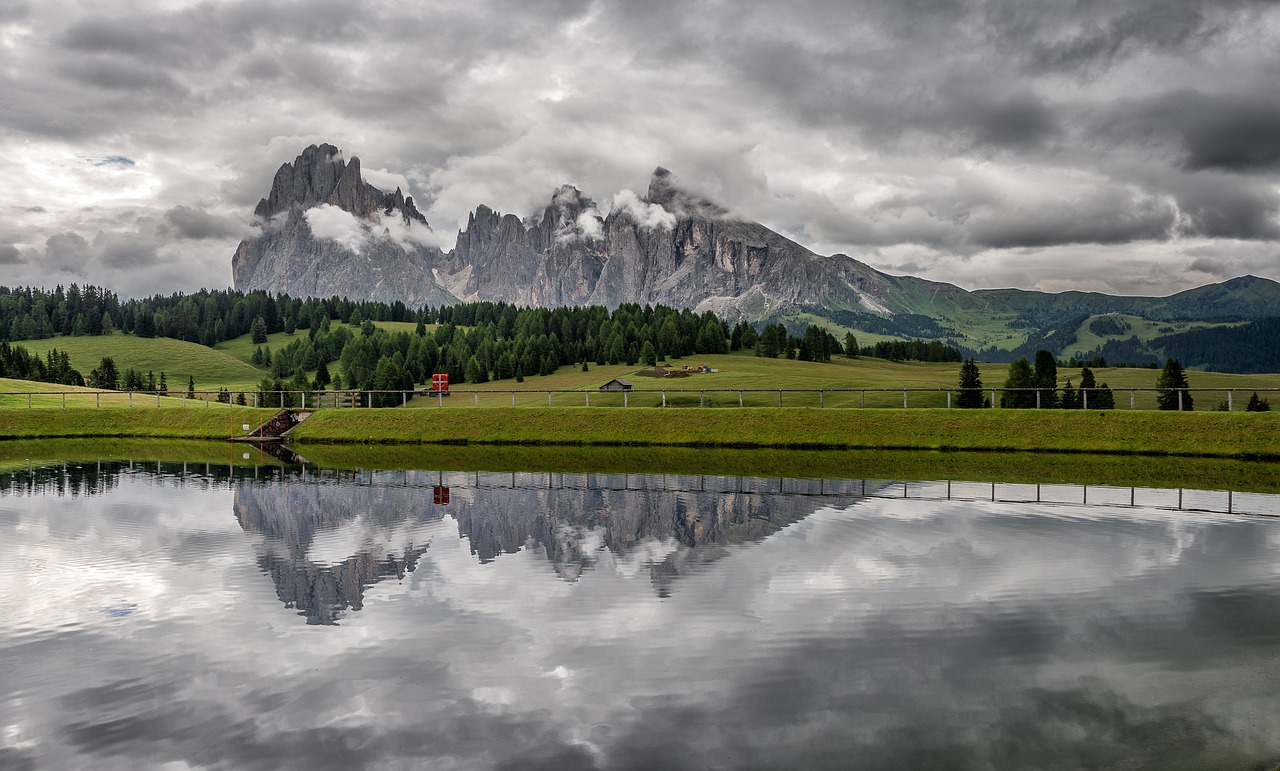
1070	399
1171	387
164	386
258	331
1047	379
648	355
1257	405
970	386
191	387
851	346
1018	386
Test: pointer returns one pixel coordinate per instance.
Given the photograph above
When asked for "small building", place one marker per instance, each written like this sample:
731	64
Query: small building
617	384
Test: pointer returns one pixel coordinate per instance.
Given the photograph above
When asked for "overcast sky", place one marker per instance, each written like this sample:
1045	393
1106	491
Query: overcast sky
1123	146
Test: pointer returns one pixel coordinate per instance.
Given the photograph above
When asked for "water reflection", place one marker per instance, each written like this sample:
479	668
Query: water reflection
598	621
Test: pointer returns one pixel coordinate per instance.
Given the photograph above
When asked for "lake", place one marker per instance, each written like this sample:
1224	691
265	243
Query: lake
161	615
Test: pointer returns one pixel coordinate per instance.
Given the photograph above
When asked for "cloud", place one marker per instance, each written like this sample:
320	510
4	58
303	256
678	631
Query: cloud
188	222
643	213
9	255
330	222
870	129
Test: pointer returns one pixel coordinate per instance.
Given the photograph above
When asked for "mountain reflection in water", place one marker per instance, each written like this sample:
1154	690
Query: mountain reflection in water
567	517
629	621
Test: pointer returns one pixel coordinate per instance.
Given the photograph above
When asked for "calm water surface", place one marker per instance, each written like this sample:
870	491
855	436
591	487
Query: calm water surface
155	618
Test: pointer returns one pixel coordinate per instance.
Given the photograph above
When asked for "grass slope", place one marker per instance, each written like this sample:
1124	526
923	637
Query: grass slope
211	368
1240	435
195	422
765	376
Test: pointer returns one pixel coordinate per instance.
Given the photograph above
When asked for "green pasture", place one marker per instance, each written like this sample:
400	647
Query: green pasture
211	368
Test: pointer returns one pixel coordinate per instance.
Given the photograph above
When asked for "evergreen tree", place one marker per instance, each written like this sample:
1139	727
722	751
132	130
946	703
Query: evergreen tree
851	346
1171	383
421	329
191	387
1093	396
108	326
164	386
1070	399
1257	405
258	331
1018	393
105	376
647	354
1047	379
970	386
151	382
322	377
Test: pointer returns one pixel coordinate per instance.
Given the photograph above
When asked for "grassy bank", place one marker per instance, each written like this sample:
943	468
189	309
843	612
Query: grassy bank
1230	435
195	422
1031	468
23	453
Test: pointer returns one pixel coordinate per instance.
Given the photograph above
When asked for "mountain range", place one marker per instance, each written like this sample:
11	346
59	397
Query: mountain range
323	231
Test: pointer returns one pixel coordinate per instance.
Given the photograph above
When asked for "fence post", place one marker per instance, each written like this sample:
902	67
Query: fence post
440	399
97	399
664	397
206	399
28	400
993	398
779	397
64	400
1180	400
131	400
904	398
624	398
588	393
513	399
548	398
739	398
819	398
948	400
864	398
475	398
1132	398
1229	400
1037	400
1084	393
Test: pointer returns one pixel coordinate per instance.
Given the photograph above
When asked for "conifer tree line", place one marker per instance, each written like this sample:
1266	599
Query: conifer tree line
1029	386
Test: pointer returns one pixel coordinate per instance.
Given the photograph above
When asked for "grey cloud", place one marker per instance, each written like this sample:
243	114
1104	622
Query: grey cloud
1110	218
68	252
197	223
131	251
1223	206
117	74
9	255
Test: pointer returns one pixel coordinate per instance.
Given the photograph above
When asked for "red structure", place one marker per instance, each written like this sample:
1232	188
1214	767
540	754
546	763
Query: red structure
440	383
440	495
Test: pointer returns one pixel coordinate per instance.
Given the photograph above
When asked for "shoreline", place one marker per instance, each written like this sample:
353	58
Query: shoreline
1236	435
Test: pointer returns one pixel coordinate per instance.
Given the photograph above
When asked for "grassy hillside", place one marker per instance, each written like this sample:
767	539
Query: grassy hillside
1097	330
242	347
766	376
211	368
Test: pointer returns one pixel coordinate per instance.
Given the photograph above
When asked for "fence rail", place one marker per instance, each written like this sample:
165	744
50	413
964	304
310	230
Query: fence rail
1204	399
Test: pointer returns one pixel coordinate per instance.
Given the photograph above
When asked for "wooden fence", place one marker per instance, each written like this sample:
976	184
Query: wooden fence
1203	399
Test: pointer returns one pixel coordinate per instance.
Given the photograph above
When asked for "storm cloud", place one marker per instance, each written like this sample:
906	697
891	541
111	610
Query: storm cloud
974	140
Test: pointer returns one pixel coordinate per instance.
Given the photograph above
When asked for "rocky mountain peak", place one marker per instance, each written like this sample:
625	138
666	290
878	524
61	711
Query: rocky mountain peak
665	191
320	175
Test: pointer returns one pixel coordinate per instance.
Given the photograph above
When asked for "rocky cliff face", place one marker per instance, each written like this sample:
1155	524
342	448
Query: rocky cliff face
326	231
